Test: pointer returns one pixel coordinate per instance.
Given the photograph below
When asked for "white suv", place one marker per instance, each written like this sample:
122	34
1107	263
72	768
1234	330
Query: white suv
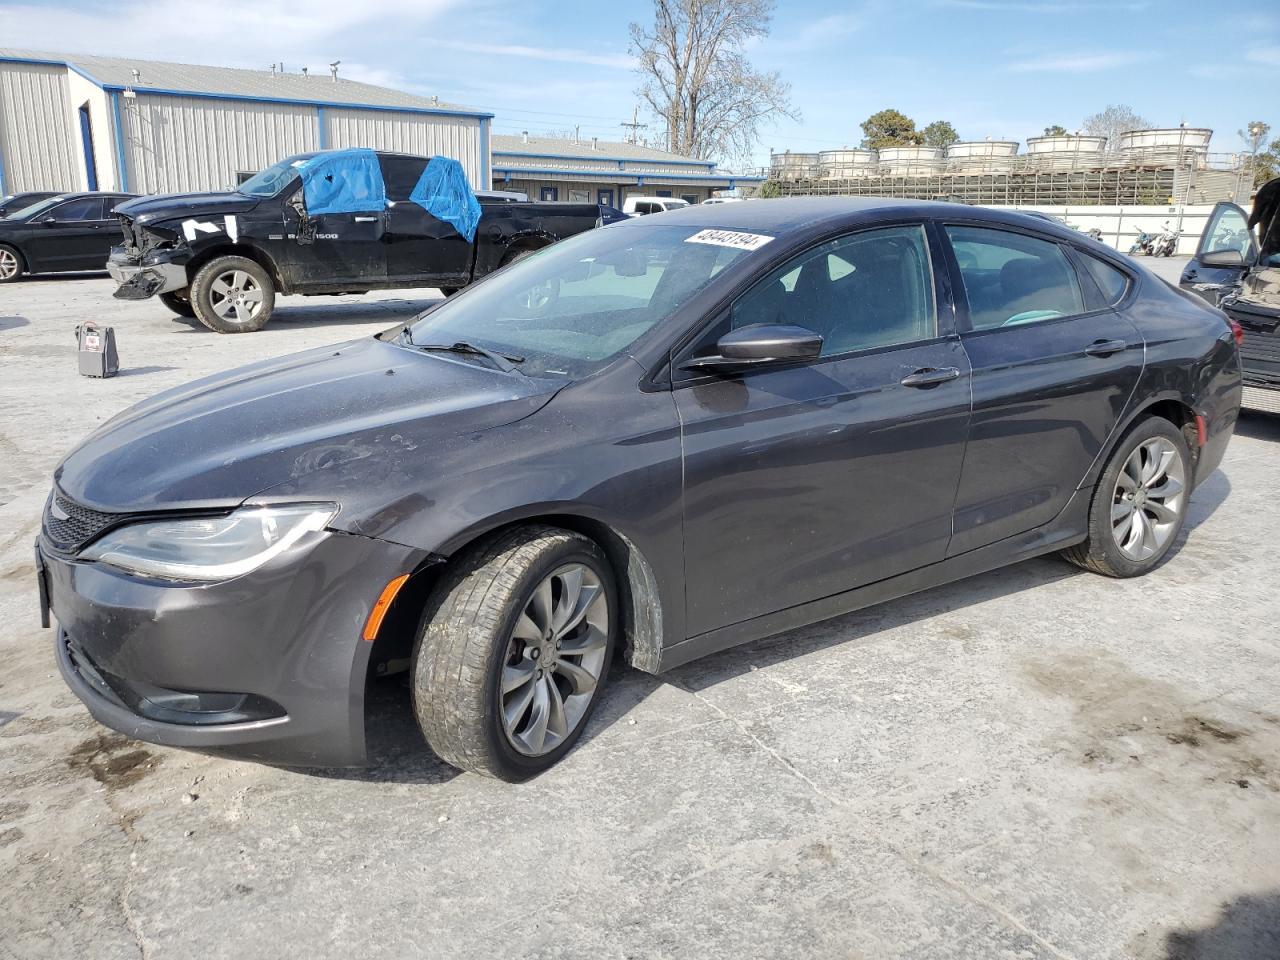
639	206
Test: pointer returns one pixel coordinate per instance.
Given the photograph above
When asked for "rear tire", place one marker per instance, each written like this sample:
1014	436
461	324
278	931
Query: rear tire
233	295
11	264
178	304
528	598
1139	505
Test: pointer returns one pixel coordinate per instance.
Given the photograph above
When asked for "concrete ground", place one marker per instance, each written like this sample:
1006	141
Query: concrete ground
1034	763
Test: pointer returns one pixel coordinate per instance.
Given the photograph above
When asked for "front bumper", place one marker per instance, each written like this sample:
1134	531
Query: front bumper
145	276
269	666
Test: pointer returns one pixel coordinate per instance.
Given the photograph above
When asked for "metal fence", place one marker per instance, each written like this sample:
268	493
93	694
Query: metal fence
1034	180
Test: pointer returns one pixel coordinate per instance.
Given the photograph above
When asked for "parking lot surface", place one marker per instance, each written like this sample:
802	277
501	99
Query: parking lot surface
1037	762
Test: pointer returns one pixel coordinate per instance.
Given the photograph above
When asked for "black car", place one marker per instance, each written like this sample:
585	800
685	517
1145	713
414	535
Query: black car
662	438
69	231
339	221
1239	272
14	202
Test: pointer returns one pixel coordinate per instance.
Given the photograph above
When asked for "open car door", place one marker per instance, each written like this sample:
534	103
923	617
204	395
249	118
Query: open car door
1224	255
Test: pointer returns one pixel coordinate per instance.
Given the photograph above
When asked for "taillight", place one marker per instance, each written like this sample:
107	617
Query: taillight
1237	331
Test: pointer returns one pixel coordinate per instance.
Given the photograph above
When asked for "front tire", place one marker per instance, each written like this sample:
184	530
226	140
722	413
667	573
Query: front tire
1139	505
514	651
233	295
178	304
11	265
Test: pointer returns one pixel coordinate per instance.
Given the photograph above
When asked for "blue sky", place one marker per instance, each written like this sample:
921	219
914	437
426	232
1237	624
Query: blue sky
998	68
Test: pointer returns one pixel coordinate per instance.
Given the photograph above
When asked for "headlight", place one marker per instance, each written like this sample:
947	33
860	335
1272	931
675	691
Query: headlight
214	548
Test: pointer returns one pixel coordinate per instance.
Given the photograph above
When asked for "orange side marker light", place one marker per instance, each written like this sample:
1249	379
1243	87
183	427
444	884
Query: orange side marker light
381	606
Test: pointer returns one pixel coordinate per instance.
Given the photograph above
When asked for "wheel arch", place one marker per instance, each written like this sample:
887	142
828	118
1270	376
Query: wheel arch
637	582
1171	405
248	251
526	240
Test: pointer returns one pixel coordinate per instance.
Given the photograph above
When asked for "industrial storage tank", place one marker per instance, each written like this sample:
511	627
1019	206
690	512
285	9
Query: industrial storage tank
848	163
1165	147
794	166
981	156
910	161
1065	152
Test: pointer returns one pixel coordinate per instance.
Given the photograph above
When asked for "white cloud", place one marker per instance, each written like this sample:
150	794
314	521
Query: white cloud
621	61
1268	55
820	32
1077	62
1030	6
242	33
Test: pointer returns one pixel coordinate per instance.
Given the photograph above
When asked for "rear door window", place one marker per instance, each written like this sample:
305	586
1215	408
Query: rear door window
1012	279
401	174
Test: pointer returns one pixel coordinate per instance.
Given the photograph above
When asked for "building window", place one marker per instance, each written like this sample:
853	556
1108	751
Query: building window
549	193
579	196
662	193
688	198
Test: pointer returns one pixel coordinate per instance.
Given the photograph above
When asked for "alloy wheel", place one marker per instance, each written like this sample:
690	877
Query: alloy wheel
235	296
8	265
1148	500
554	659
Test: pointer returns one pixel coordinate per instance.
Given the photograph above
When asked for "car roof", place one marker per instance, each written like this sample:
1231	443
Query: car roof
81	194
794	214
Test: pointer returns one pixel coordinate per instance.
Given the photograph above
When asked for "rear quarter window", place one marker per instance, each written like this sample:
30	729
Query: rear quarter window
1112	281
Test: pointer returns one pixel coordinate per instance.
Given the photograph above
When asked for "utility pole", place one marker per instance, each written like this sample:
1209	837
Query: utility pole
634	126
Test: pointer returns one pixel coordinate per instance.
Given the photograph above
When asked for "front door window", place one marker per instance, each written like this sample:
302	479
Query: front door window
1228	230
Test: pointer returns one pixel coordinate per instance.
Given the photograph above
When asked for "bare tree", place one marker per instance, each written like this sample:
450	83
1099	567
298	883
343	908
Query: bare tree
697	79
1113	121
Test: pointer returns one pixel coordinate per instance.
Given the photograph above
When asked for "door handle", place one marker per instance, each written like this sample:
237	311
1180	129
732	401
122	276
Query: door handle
1104	348
366	219
930	377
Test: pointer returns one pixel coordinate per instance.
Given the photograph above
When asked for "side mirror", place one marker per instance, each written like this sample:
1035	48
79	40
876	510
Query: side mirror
1223	258
760	343
48	221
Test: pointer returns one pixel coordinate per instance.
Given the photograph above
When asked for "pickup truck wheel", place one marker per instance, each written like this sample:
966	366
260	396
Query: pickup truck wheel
178	304
233	295
514	651
11	265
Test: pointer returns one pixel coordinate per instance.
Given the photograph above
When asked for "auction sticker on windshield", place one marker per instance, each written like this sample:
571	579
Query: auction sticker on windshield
730	238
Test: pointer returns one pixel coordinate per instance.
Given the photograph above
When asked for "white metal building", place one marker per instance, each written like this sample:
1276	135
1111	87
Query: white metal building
598	171
79	122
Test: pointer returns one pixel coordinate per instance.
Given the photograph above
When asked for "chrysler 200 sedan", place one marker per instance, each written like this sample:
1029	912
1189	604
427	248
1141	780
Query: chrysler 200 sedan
663	439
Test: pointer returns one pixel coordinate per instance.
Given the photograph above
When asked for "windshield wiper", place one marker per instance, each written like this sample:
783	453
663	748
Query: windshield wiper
505	362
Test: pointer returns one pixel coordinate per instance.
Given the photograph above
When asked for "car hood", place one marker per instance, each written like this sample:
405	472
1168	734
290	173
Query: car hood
169	205
360	414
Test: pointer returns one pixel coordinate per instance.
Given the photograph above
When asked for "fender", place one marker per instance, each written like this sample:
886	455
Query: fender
202	253
645	621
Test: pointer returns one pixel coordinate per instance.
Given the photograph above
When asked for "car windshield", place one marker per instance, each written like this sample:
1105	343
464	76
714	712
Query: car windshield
269	182
34	209
570	307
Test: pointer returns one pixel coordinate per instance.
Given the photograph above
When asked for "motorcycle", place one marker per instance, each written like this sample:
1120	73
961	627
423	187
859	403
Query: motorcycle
1143	245
1166	243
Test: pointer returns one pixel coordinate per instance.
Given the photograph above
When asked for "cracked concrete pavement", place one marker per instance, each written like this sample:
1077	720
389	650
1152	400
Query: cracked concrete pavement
1032	763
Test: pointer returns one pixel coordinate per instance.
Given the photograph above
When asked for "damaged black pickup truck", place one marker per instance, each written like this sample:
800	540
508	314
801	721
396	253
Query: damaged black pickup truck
340	221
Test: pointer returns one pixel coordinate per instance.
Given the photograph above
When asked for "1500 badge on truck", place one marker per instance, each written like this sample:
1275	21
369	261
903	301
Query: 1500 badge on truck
338	221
